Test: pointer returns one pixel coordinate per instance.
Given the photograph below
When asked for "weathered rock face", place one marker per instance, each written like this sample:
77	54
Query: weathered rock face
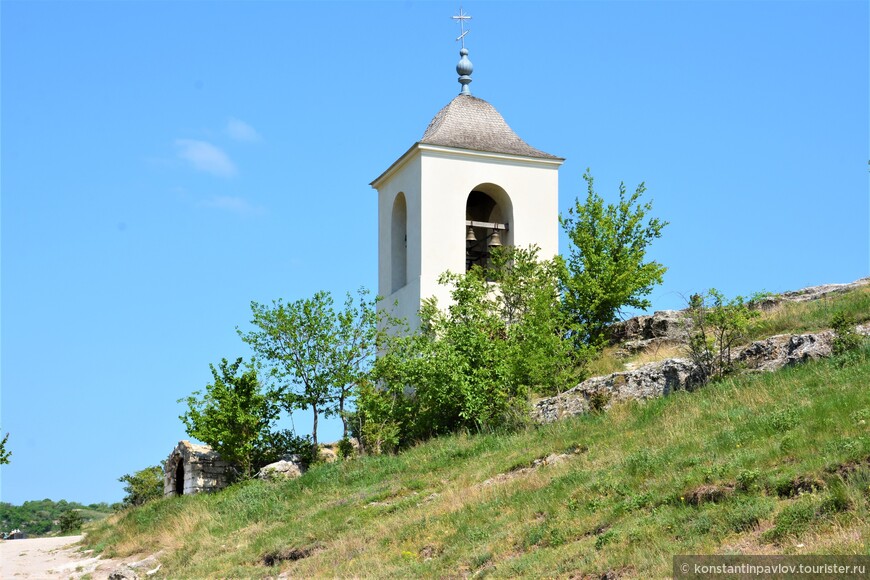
662	325
193	468
817	292
637	333
289	468
653	380
782	350
662	378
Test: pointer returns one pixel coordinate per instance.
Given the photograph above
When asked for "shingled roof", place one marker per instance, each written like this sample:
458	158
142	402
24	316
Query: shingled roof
471	123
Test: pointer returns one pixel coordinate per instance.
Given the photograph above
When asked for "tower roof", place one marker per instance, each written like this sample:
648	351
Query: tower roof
471	123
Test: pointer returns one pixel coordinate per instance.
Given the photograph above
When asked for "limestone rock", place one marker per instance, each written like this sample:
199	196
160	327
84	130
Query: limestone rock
664	325
652	380
665	377
782	350
289	468
123	572
817	292
328	454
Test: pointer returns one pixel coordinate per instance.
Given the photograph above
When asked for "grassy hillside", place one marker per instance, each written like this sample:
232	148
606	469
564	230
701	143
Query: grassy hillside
774	463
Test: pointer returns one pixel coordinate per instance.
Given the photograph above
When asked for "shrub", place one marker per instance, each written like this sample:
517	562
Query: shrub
845	338
715	326
235	417
70	521
474	364
142	486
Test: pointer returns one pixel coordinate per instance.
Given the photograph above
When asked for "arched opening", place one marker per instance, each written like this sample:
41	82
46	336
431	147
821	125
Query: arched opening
399	243
488	216
179	478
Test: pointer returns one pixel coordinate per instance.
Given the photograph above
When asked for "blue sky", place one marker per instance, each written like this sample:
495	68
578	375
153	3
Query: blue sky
163	164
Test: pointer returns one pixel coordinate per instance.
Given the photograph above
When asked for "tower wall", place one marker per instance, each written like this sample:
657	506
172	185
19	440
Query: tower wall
436	182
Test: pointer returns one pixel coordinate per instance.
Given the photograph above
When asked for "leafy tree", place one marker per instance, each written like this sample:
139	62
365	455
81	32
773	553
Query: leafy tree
142	486
474	364
316	355
4	453
528	301
235	417
70	521
606	269
356	344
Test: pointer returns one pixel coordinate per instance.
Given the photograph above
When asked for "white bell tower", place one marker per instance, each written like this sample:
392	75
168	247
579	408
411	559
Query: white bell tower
469	184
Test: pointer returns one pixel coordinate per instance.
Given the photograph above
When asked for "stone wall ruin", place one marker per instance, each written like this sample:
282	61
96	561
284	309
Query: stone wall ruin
193	468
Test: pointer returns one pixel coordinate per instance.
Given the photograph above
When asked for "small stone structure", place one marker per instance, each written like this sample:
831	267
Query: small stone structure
193	468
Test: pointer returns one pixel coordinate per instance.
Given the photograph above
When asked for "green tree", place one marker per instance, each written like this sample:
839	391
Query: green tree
356	338
316	355
142	486
606	269
234	416
5	454
528	301
70	521
474	363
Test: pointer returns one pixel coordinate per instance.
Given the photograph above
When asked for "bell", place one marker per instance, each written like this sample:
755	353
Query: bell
469	236
495	240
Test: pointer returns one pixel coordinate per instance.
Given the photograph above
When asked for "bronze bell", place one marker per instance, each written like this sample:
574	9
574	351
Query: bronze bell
495	240
469	235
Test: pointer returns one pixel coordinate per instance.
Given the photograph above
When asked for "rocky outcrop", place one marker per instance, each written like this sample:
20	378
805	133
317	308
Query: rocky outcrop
637	333
782	350
652	380
662	378
288	468
669	326
818	292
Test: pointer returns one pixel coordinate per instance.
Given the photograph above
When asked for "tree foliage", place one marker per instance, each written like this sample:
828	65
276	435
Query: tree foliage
316	355
235	417
474	363
41	517
5	454
70	521
142	486
606	269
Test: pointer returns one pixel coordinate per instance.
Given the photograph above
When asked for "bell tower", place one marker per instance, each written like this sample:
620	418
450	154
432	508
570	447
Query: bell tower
469	184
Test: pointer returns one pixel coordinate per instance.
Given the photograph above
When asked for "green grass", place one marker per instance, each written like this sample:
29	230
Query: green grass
773	463
795	317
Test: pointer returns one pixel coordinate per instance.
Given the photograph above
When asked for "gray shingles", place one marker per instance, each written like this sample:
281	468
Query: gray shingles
471	123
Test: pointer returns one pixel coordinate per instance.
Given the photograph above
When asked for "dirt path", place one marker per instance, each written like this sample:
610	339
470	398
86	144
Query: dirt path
40	558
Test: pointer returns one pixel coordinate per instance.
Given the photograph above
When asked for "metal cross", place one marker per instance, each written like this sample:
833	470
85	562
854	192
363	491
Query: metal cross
462	18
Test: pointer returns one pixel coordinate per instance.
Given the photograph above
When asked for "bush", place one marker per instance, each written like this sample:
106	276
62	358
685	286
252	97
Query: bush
474	364
70	521
845	338
142	486
715	326
235	417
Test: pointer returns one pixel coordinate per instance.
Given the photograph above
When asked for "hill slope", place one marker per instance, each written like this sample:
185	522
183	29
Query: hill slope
772	463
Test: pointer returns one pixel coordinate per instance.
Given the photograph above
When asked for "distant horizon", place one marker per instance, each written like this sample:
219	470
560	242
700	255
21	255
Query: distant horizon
165	164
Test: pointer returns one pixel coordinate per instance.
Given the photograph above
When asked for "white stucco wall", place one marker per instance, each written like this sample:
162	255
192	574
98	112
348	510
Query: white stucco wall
436	182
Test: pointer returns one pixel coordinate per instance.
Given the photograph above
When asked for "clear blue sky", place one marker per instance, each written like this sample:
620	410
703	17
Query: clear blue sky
163	164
